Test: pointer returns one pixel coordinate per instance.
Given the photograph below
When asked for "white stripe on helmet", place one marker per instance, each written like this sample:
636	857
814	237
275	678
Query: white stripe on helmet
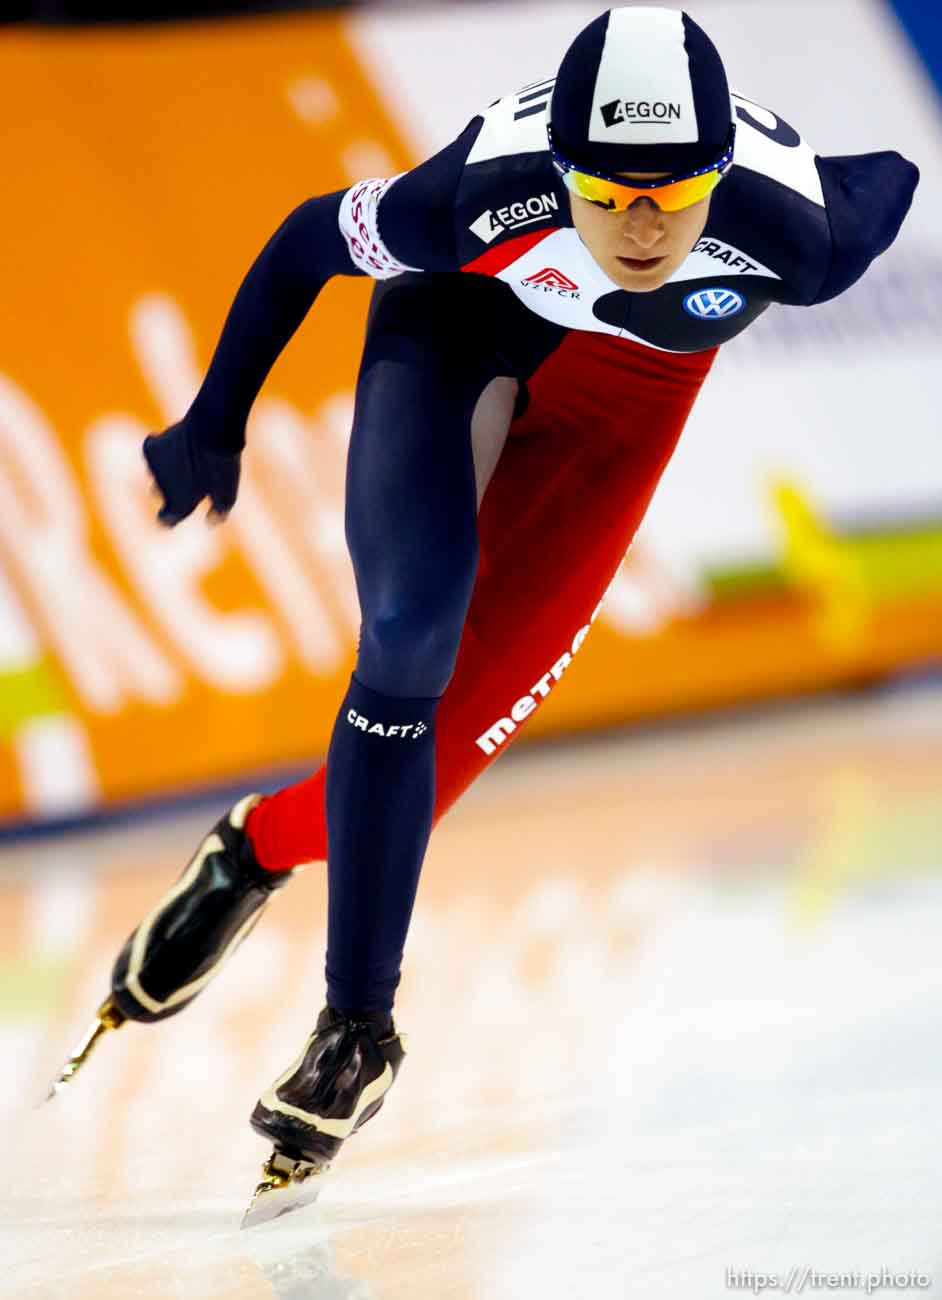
643	92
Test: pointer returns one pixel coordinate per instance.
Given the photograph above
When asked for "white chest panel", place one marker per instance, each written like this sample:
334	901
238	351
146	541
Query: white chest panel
559	279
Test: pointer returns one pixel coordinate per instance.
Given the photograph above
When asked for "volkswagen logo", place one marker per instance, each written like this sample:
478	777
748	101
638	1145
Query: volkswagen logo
714	304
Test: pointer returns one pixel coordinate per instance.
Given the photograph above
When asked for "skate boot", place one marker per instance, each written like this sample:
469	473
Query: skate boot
337	1083
182	943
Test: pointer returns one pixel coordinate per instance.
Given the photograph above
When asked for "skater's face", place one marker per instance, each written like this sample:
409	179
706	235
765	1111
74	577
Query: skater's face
640	248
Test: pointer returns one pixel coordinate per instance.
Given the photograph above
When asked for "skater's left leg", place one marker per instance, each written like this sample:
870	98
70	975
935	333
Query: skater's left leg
564	502
191	931
568	494
187	936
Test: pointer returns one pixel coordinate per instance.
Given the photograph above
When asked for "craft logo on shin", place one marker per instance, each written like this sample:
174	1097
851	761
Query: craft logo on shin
403	731
639	111
495	221
551	280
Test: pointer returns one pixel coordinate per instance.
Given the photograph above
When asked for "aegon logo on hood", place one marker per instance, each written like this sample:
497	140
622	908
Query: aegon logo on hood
495	221
639	110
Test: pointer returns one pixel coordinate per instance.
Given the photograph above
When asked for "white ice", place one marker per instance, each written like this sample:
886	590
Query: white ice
674	1002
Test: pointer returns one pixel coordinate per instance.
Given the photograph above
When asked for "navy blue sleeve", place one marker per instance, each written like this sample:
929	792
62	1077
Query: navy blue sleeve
272	301
867	197
417	215
417	224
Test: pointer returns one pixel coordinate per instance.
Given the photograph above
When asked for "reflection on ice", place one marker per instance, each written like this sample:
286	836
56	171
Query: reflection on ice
673	1004
297	1267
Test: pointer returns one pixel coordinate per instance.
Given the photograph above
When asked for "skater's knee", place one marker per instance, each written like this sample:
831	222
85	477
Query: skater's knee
408	654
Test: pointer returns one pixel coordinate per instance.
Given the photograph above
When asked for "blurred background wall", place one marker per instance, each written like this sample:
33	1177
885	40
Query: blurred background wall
795	543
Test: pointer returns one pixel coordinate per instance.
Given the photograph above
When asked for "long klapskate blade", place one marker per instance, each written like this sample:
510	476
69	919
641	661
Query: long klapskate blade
106	1017
287	1184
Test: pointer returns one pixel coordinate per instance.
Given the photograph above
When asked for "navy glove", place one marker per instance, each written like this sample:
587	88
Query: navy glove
185	473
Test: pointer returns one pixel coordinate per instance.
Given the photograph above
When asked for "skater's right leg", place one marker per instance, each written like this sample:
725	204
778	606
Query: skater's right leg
411	512
415	473
293	822
555	525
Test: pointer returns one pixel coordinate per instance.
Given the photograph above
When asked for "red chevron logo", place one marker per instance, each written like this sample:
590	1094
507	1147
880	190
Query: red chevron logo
552	278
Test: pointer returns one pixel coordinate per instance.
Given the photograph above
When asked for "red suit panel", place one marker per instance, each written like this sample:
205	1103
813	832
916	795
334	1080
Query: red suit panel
575	478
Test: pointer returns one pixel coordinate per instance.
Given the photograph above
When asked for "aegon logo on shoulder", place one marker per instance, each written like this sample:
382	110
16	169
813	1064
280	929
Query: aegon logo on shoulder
639	110
495	221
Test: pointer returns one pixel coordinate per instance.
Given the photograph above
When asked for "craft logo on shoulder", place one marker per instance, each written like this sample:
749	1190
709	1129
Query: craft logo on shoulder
733	259
714	304
639	110
549	280
495	221
404	731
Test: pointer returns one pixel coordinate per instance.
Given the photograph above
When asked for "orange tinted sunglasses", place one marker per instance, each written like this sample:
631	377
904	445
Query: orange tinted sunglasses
671	194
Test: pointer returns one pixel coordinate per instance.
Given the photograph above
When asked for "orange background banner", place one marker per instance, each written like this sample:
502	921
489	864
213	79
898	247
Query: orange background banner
147	169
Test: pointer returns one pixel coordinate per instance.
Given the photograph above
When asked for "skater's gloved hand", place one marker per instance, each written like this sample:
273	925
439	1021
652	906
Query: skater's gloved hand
185	472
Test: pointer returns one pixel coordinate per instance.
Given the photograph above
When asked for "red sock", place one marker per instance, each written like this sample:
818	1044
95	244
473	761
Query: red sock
568	494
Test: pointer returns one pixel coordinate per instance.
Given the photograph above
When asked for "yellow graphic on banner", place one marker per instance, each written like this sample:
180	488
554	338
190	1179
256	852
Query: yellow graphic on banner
814	559
848	577
29	693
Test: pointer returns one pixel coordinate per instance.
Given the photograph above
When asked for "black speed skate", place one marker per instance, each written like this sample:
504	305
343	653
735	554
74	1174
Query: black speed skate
197	925
337	1083
182	943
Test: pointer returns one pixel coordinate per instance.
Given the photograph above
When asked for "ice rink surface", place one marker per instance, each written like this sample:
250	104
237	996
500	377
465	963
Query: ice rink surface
674	1005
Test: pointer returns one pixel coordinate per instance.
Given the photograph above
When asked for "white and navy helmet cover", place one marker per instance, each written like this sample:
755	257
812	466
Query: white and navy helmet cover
642	89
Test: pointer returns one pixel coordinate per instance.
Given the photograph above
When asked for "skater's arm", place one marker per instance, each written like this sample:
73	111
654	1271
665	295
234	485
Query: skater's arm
305	251
867	197
377	227
413	221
